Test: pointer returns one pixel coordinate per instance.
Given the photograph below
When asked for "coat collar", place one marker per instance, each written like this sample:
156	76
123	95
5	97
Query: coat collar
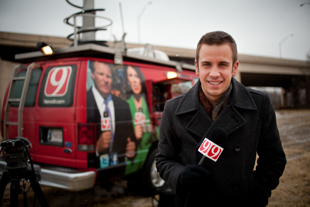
240	97
229	118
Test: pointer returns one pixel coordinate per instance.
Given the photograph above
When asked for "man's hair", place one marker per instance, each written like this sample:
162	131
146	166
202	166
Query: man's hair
92	65
218	38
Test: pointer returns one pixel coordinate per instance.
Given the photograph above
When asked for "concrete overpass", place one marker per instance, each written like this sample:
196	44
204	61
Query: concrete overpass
291	75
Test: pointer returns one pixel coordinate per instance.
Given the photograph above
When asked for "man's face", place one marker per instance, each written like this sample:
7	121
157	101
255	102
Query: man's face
215	69
103	78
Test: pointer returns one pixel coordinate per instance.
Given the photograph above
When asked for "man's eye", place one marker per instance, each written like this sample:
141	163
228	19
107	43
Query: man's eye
206	64
224	64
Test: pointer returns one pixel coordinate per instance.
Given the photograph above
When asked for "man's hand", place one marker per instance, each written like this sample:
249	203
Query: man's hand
193	177
130	148
138	131
103	142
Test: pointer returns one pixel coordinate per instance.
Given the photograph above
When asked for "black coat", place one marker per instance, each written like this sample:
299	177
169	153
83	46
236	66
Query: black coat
249	119
123	123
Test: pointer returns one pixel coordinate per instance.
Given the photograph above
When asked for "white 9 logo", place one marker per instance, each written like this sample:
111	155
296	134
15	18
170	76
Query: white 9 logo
204	147
214	152
57	81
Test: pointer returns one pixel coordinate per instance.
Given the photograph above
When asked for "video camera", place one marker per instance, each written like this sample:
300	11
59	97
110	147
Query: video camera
16	153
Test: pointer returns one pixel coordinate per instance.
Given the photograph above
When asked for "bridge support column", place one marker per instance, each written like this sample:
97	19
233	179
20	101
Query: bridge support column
298	95
284	99
287	100
307	88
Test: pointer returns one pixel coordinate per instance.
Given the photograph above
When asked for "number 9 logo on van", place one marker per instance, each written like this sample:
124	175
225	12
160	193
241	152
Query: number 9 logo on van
57	81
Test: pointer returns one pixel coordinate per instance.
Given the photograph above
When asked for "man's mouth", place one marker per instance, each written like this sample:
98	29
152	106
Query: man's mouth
215	82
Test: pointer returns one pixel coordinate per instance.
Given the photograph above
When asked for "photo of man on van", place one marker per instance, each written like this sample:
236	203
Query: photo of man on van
116	141
136	98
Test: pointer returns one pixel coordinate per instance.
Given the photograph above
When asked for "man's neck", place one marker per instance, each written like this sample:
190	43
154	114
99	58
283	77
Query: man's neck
212	100
213	106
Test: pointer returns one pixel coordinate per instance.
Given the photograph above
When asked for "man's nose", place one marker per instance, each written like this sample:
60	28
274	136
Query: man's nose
105	79
214	72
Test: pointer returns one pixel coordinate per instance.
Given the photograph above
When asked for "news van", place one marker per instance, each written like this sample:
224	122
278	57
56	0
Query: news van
91	113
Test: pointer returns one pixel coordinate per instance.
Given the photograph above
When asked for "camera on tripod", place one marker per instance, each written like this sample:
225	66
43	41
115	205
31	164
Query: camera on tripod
16	153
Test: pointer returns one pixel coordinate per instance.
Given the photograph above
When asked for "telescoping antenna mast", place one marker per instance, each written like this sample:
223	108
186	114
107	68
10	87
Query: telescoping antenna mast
87	32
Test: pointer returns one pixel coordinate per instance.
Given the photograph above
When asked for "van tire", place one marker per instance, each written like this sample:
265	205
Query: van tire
151	181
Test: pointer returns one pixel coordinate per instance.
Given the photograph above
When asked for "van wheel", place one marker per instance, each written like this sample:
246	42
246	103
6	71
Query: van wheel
151	181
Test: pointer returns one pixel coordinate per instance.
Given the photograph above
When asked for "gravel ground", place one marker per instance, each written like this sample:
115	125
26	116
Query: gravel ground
293	190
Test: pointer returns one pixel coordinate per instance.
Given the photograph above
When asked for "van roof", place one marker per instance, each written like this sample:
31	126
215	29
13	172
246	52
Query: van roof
95	50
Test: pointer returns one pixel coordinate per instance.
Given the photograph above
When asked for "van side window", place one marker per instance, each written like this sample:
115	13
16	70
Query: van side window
32	88
195	80
57	88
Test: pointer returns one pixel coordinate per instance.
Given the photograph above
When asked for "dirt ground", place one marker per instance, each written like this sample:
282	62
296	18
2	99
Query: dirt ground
294	187
293	190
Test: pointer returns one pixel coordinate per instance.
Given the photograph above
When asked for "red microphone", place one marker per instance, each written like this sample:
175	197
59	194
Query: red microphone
105	122
213	149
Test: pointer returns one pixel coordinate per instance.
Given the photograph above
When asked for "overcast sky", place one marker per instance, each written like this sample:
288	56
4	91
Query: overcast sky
260	27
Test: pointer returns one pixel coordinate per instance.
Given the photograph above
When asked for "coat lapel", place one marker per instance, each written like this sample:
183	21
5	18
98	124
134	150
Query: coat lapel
229	118
190	106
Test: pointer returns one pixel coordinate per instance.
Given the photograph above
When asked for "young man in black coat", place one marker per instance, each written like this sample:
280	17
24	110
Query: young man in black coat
240	121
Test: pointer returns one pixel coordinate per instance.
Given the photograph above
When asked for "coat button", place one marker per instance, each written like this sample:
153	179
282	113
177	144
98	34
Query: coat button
237	148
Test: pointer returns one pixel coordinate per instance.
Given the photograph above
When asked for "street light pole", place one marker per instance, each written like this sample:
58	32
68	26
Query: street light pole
280	43
138	21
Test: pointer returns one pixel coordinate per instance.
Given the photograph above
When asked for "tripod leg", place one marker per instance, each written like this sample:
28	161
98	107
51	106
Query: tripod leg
37	190
25	195
5	179
14	190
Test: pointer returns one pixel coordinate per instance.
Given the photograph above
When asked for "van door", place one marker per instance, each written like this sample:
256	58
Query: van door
55	114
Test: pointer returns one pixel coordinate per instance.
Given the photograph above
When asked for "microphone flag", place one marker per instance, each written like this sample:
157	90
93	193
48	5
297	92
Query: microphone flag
210	150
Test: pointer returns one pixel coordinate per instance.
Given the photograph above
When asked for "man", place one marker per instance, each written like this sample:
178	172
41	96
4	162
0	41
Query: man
118	140
175	90
245	115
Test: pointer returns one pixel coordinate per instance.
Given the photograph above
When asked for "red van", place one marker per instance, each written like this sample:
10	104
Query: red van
90	113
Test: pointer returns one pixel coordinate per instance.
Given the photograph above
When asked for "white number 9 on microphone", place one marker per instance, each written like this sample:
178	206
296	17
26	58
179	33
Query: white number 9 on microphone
210	150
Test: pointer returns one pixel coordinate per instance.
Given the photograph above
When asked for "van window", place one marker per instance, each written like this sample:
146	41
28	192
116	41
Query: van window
195	80
185	86
57	86
32	88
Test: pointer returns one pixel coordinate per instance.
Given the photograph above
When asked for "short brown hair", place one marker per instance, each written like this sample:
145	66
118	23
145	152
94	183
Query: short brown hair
218	38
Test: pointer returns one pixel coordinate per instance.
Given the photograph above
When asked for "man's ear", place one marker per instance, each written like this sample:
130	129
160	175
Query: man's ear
235	68
197	68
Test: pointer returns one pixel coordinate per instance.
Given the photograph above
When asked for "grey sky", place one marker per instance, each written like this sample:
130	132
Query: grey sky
258	26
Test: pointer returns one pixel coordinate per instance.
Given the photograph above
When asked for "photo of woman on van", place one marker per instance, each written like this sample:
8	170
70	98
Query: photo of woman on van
136	98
